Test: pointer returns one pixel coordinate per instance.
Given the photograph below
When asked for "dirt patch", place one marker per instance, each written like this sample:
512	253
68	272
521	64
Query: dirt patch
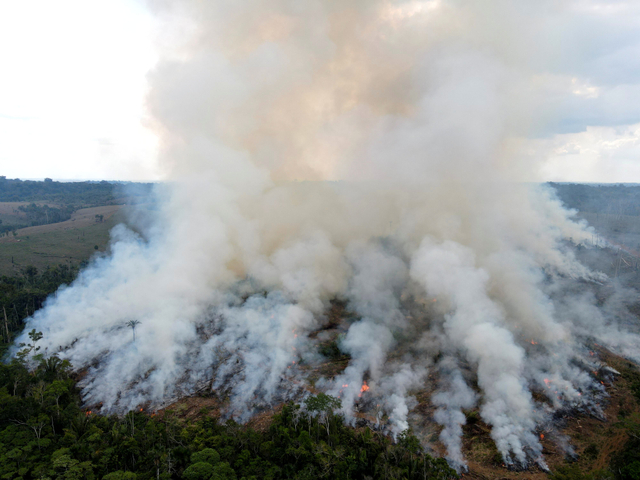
192	408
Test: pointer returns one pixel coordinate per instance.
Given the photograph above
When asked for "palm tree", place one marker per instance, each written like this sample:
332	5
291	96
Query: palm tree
133	324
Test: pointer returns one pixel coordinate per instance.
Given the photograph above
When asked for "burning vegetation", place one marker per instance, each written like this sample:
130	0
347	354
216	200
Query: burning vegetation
349	225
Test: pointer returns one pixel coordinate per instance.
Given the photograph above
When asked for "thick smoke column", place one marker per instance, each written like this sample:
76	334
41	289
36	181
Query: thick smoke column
359	151
475	324
450	402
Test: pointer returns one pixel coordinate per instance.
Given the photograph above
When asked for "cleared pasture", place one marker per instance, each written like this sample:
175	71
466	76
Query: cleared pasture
70	242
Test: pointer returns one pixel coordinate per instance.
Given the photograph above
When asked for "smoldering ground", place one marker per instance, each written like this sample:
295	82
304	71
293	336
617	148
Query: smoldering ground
366	152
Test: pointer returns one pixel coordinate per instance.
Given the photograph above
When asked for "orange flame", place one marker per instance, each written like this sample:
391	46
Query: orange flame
533	342
345	385
547	382
542	436
363	389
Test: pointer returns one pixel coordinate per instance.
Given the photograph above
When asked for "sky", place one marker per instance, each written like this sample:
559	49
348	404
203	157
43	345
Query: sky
73	89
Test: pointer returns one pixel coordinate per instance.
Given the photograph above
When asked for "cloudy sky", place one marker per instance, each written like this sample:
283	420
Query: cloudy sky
73	86
72	89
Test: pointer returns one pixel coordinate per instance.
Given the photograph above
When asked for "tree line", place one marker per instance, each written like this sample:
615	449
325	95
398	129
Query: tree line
22	295
81	194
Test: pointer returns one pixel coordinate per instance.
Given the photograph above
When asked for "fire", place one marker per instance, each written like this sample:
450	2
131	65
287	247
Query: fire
533	342
542	436
345	385
87	413
363	389
547	382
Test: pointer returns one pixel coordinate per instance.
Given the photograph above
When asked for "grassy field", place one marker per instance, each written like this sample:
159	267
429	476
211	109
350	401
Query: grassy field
69	242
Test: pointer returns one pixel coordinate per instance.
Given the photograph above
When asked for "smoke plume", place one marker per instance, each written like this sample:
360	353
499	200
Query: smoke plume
361	152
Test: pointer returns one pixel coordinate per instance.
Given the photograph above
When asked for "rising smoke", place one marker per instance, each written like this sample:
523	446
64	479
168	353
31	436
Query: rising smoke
366	152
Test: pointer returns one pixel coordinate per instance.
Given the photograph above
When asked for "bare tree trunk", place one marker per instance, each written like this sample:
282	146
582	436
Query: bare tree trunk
6	324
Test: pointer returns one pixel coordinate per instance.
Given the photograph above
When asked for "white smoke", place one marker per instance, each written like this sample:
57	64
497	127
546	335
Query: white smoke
450	402
360	151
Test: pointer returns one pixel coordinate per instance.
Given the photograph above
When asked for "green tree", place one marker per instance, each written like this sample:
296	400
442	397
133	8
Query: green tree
120	475
28	348
67	468
323	405
198	471
223	471
208	455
